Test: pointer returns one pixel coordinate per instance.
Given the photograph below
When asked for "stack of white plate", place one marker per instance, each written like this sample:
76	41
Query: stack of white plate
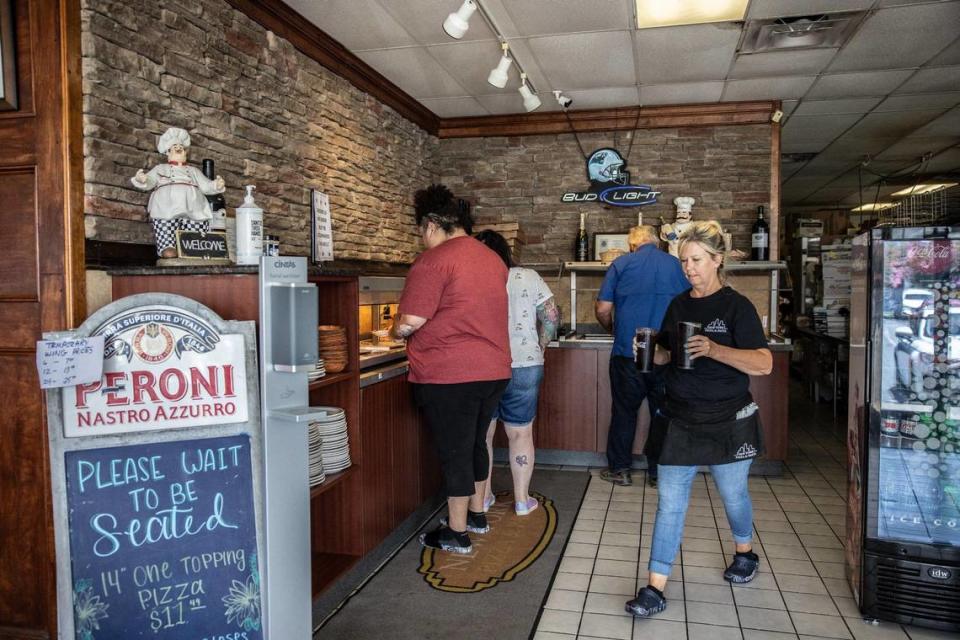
334	447
317	372
317	474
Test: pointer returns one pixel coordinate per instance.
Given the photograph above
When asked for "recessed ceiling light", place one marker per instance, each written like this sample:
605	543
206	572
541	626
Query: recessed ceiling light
666	13
874	206
921	189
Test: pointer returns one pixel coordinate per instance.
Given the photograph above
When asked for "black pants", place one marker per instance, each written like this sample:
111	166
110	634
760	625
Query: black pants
629	388
458	416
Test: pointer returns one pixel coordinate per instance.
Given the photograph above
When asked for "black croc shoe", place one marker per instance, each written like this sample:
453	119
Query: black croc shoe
743	569
476	522
445	539
646	604
619	478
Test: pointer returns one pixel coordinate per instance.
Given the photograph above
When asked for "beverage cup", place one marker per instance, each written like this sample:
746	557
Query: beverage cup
644	340
685	331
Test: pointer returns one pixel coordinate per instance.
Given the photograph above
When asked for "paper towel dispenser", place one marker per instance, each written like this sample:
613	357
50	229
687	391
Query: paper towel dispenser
293	326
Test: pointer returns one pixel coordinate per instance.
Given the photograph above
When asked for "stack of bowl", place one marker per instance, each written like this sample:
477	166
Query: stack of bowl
333	347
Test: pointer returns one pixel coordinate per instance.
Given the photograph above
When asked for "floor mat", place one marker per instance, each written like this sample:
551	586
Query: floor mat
496	591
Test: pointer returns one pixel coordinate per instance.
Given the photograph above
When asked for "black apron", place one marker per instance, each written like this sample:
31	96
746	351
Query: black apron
706	435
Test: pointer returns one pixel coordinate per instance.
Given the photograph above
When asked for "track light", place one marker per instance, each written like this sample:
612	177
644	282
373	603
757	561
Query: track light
457	23
530	99
562	100
498	77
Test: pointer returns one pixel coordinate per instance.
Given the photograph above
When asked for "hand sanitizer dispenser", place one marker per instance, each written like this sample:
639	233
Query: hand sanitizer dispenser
293	322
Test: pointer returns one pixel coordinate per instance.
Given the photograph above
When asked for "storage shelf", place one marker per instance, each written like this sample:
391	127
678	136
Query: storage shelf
332	378
332	480
327	567
732	266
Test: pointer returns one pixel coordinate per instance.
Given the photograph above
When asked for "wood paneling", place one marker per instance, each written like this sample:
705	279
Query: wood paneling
567	411
376	425
316	44
770	393
233	297
406	445
41	290
773	215
618	119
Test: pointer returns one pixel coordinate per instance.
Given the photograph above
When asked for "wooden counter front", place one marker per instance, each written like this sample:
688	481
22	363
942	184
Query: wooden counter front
575	403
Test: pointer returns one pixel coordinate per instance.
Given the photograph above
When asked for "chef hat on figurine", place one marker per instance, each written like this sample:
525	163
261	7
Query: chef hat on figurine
172	136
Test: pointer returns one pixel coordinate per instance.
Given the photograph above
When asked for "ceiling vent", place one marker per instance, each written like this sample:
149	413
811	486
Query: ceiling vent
800	32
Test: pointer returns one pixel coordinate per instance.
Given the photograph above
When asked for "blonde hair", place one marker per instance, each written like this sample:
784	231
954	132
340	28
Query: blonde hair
641	234
709	235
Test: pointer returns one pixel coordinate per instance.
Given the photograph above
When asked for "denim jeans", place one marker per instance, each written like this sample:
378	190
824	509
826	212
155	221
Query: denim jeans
674	494
629	388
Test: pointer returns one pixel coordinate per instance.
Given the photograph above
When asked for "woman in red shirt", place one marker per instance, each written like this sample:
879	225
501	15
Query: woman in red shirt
453	314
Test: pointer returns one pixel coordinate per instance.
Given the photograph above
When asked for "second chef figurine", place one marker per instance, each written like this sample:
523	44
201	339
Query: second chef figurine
178	200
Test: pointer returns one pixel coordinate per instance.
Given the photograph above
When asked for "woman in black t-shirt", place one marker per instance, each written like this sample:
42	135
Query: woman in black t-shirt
712	419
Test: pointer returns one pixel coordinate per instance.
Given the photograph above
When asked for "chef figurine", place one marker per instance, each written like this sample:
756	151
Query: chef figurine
179	193
670	233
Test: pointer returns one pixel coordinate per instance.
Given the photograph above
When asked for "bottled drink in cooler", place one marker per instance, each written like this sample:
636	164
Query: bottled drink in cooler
760	238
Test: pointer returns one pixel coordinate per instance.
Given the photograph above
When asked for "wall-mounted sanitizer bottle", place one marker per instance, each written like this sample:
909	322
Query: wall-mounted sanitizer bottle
249	230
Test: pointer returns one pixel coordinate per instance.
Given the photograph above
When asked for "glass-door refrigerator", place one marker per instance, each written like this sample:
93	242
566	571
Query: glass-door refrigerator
903	438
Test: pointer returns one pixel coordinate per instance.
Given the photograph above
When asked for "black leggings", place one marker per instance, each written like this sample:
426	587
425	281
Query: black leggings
458	416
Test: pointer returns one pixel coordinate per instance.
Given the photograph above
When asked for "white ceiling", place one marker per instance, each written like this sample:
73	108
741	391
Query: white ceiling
890	92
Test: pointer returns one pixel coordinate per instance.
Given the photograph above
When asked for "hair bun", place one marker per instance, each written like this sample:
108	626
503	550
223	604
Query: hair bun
433	199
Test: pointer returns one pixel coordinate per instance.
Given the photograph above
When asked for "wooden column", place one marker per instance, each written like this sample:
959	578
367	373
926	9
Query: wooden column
41	290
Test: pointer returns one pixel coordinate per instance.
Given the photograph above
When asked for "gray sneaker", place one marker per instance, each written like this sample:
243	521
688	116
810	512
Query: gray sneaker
620	478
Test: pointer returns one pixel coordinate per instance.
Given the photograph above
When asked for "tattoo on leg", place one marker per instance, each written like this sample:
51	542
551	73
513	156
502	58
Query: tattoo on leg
521	460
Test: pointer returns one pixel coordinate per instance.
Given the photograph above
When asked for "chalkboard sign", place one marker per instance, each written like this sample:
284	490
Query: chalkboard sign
163	541
194	244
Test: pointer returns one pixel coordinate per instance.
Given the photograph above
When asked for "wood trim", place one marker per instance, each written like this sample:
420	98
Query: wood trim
775	192
618	119
73	214
316	44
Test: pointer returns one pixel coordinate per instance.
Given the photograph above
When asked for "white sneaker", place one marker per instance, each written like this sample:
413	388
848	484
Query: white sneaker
489	502
526	508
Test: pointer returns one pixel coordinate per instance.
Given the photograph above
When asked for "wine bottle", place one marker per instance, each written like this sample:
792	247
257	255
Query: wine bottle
760	238
582	245
217	202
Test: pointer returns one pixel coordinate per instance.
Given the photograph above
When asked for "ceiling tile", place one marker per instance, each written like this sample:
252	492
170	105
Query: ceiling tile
454	107
891	124
767	88
680	93
470	63
503	104
817	128
946	125
846	105
803	145
686	54
950	55
760	9
414	71
900	37
542	17
802	62
356	24
600	98
788	106
920	101
932	79
868	83
423	19
912	148
947	161
585	60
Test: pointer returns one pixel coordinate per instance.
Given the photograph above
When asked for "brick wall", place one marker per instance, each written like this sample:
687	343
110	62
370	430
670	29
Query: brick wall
521	179
266	114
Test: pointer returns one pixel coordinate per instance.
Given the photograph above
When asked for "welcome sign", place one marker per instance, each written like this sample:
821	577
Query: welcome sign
158	475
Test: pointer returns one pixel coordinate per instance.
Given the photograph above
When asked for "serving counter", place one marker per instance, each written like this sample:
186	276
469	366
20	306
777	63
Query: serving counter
573	415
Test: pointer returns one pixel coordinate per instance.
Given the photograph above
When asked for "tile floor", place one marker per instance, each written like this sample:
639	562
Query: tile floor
801	591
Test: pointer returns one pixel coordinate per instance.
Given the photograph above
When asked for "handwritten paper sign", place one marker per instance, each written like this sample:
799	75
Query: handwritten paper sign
322	239
162	539
69	362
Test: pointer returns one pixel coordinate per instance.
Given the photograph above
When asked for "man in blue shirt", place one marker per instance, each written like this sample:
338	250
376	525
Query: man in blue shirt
639	286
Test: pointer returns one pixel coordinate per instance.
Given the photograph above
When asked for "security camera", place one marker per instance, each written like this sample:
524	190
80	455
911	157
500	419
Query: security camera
776	115
562	100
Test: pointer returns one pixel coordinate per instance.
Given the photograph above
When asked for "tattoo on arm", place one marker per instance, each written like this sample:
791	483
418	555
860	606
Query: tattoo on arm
403	331
548	316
